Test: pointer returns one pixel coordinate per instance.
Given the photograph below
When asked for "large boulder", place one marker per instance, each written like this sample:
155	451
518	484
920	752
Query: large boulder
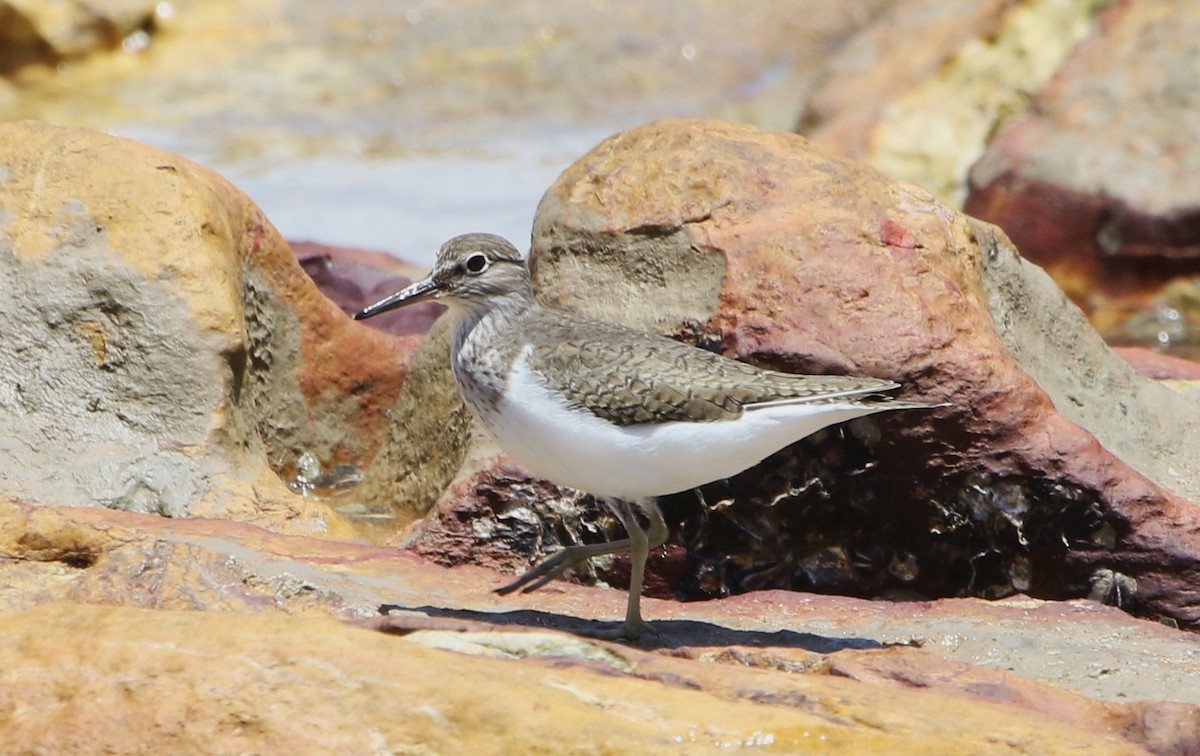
162	350
1065	123
924	112
1057	470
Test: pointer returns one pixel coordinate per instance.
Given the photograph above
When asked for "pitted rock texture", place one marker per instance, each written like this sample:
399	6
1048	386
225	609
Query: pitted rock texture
163	352
1056	461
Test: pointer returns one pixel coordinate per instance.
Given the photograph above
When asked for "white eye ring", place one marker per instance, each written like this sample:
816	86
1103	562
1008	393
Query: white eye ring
476	263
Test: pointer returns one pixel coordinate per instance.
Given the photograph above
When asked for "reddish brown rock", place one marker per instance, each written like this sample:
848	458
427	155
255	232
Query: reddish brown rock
1097	182
1056	462
426	427
355	278
924	112
162	341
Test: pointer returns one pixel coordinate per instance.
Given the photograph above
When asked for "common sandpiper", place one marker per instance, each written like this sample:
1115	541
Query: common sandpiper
614	411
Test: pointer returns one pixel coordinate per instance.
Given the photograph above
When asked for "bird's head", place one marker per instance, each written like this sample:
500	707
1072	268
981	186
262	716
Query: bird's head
471	272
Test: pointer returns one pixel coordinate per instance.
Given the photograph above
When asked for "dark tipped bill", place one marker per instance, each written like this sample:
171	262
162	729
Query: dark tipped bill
419	291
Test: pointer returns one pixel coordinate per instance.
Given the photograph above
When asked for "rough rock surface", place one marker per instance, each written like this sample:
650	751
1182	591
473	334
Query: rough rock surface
147	291
159	335
777	670
422	453
1097	182
1058	471
924	112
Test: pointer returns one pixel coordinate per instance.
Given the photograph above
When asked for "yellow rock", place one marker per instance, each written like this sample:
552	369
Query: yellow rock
164	352
141	681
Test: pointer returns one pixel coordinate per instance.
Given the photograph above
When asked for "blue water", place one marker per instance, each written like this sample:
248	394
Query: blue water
406	206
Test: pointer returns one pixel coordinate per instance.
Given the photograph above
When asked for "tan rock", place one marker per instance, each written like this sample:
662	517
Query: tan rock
88	555
173	681
924	112
1057	461
163	350
1098	181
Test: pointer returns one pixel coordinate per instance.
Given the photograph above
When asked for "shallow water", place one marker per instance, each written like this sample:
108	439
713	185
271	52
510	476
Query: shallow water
404	205
395	125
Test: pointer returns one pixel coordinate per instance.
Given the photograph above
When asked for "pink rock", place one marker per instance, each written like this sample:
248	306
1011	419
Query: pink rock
1159	366
355	278
1055	463
1097	182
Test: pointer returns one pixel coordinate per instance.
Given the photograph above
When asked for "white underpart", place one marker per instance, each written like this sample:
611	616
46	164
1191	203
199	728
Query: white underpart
539	429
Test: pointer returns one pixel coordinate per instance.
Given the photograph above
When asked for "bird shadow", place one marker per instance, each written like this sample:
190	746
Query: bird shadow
663	634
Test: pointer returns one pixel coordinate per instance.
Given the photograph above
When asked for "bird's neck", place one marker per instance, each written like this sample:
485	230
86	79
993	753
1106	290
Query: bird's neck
492	317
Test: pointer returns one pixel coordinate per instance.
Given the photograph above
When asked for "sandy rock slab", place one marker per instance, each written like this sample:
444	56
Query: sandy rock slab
162	350
269	666
143	681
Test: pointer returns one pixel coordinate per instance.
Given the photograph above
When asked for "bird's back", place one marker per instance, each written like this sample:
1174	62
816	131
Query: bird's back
631	377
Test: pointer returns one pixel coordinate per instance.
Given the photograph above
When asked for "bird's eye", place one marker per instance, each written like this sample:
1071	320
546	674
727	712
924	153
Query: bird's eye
476	263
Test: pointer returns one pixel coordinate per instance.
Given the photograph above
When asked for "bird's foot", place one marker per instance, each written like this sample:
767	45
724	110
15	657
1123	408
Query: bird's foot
544	571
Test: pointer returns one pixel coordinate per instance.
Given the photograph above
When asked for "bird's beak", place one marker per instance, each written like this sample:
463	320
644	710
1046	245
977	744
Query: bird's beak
419	291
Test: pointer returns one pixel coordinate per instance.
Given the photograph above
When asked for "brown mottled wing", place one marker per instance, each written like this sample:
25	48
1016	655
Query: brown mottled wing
630	377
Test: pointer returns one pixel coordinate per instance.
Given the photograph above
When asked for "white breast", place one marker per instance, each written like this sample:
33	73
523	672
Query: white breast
539	429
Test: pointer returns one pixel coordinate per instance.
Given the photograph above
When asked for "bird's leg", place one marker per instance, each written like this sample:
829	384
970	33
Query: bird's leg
641	542
638	550
560	562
